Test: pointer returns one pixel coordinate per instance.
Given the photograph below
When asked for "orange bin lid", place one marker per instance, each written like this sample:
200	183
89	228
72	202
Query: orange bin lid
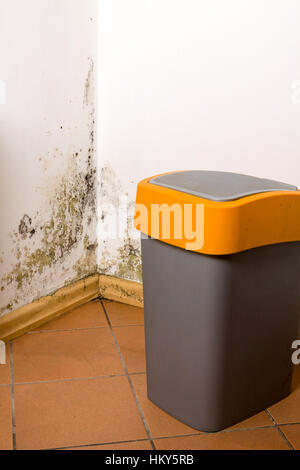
217	213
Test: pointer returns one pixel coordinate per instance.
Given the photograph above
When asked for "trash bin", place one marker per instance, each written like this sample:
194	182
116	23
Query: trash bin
220	314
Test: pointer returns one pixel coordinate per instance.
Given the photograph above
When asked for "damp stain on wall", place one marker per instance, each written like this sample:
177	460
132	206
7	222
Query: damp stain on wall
59	233
25	227
46	239
129	262
87	263
121	257
129	256
88	96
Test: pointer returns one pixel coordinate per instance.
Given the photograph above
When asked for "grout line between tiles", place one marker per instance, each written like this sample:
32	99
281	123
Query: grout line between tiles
124	326
13	419
81	329
77	378
129	380
279	430
66	329
289	424
100	444
271	417
285	438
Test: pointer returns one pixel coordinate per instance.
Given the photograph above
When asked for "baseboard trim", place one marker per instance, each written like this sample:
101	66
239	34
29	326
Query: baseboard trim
47	308
121	290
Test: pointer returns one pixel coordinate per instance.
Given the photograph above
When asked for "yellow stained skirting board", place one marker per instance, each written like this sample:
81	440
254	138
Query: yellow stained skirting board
30	316
121	290
41	311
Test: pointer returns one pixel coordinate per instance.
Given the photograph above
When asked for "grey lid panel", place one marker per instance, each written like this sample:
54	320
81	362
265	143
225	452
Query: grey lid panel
218	185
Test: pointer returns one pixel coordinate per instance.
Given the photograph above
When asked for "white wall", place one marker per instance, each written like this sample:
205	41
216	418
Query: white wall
197	84
47	51
194	84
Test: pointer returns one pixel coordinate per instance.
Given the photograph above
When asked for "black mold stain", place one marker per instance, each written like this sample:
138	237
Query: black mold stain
92	247
83	265
88	86
24	225
25	228
130	265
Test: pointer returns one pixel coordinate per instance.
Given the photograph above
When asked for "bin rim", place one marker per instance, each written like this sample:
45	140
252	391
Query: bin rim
253	184
229	226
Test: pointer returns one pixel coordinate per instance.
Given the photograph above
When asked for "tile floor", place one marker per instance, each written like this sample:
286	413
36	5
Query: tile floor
79	383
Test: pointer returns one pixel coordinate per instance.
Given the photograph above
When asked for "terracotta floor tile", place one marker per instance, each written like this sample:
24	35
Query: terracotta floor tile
292	433
255	439
160	423
137	445
288	410
132	344
73	413
5	419
123	314
5	369
65	354
89	315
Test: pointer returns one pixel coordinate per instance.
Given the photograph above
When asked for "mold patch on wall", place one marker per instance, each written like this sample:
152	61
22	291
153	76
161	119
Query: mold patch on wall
87	264
42	242
120	254
129	257
25	227
59	239
88	96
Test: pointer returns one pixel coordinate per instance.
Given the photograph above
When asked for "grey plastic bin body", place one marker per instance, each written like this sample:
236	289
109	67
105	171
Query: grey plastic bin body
219	329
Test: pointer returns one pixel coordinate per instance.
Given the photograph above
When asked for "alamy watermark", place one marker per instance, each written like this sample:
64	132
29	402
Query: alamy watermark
296	354
178	222
162	221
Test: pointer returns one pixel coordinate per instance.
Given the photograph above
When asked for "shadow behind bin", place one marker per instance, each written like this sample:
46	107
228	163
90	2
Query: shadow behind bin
219	328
